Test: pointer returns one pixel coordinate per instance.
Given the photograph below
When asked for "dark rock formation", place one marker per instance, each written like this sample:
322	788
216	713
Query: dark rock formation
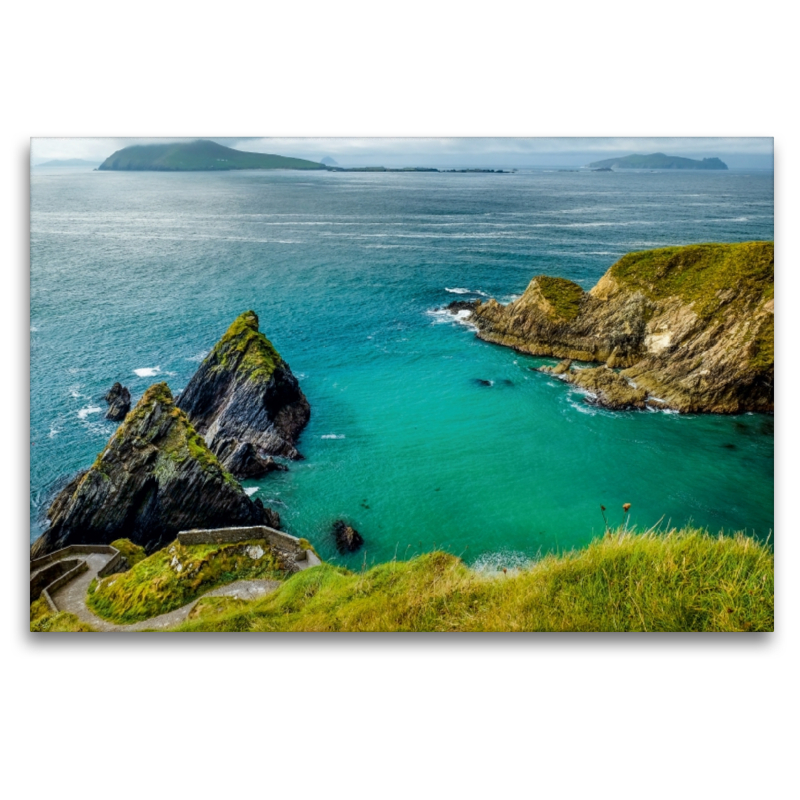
245	393
604	386
154	478
348	539
693	327
119	401
461	305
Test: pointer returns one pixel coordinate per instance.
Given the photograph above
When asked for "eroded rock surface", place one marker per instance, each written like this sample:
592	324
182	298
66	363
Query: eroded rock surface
348	539
245	394
119	402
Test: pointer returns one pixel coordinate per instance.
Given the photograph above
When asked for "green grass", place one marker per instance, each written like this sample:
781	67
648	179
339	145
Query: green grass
44	620
676	581
703	274
564	296
200	155
133	552
155	585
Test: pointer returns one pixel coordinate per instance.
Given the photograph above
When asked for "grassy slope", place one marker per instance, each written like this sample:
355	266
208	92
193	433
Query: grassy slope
259	358
680	581
697	273
200	155
155	585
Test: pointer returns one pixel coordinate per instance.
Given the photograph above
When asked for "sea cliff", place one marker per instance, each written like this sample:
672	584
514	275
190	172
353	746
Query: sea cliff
688	328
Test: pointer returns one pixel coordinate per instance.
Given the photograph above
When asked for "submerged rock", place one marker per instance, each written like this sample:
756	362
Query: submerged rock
154	478
693	327
348	539
119	401
245	394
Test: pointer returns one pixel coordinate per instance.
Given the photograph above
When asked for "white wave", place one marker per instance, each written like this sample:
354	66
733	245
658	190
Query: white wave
198	356
147	372
74	393
54	431
251	490
441	315
332	436
493	564
34	329
84	412
462	290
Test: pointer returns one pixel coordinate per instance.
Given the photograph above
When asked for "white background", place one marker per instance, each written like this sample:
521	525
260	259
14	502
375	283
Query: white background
395	716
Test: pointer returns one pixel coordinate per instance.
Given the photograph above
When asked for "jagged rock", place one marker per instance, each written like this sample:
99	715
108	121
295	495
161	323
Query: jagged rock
119	401
154	478
608	388
348	539
461	305
558	369
245	393
691	326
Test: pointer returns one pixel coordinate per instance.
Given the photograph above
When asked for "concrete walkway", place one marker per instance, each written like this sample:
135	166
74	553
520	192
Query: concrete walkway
72	598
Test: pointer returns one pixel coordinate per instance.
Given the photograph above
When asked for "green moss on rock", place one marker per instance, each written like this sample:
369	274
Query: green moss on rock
563	295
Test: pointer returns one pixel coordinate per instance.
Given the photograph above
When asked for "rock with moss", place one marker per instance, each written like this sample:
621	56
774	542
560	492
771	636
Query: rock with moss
693	326
244	394
154	478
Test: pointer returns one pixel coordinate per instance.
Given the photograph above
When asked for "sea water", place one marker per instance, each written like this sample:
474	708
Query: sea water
421	436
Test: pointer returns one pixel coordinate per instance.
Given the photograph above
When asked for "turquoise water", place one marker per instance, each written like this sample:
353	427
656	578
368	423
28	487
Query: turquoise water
145	272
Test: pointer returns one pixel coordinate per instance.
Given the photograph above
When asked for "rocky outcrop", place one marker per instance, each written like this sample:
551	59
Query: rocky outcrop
119	402
347	538
245	394
154	478
689	328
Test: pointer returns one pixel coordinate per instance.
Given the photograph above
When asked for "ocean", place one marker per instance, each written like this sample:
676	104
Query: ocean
421	436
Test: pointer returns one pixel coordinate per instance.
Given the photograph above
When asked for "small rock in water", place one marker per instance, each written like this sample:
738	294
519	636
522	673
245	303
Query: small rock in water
119	401
482	382
348	539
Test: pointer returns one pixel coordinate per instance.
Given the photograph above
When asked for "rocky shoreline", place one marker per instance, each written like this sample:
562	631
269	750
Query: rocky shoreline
686	328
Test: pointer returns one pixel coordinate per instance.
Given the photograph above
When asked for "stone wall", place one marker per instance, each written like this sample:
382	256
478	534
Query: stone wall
299	556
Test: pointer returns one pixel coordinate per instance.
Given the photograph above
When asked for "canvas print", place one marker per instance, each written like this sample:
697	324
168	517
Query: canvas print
401	385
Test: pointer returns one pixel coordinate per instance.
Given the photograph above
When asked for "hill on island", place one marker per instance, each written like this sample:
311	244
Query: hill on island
658	161
200	155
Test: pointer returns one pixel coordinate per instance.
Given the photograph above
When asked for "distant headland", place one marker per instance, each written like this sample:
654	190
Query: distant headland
657	161
202	155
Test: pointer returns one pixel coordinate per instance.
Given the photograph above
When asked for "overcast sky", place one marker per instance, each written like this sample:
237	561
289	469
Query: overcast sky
755	152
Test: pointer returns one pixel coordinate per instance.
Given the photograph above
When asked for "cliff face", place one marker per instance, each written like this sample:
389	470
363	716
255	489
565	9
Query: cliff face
245	401
691	327
154	478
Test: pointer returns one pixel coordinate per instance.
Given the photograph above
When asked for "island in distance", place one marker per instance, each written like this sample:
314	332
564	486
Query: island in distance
657	161
202	155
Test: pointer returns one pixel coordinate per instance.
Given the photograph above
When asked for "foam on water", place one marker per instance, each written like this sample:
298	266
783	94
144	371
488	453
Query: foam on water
332	436
250	490
84	412
147	372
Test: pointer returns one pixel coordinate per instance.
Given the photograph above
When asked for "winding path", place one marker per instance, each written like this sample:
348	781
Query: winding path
72	598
